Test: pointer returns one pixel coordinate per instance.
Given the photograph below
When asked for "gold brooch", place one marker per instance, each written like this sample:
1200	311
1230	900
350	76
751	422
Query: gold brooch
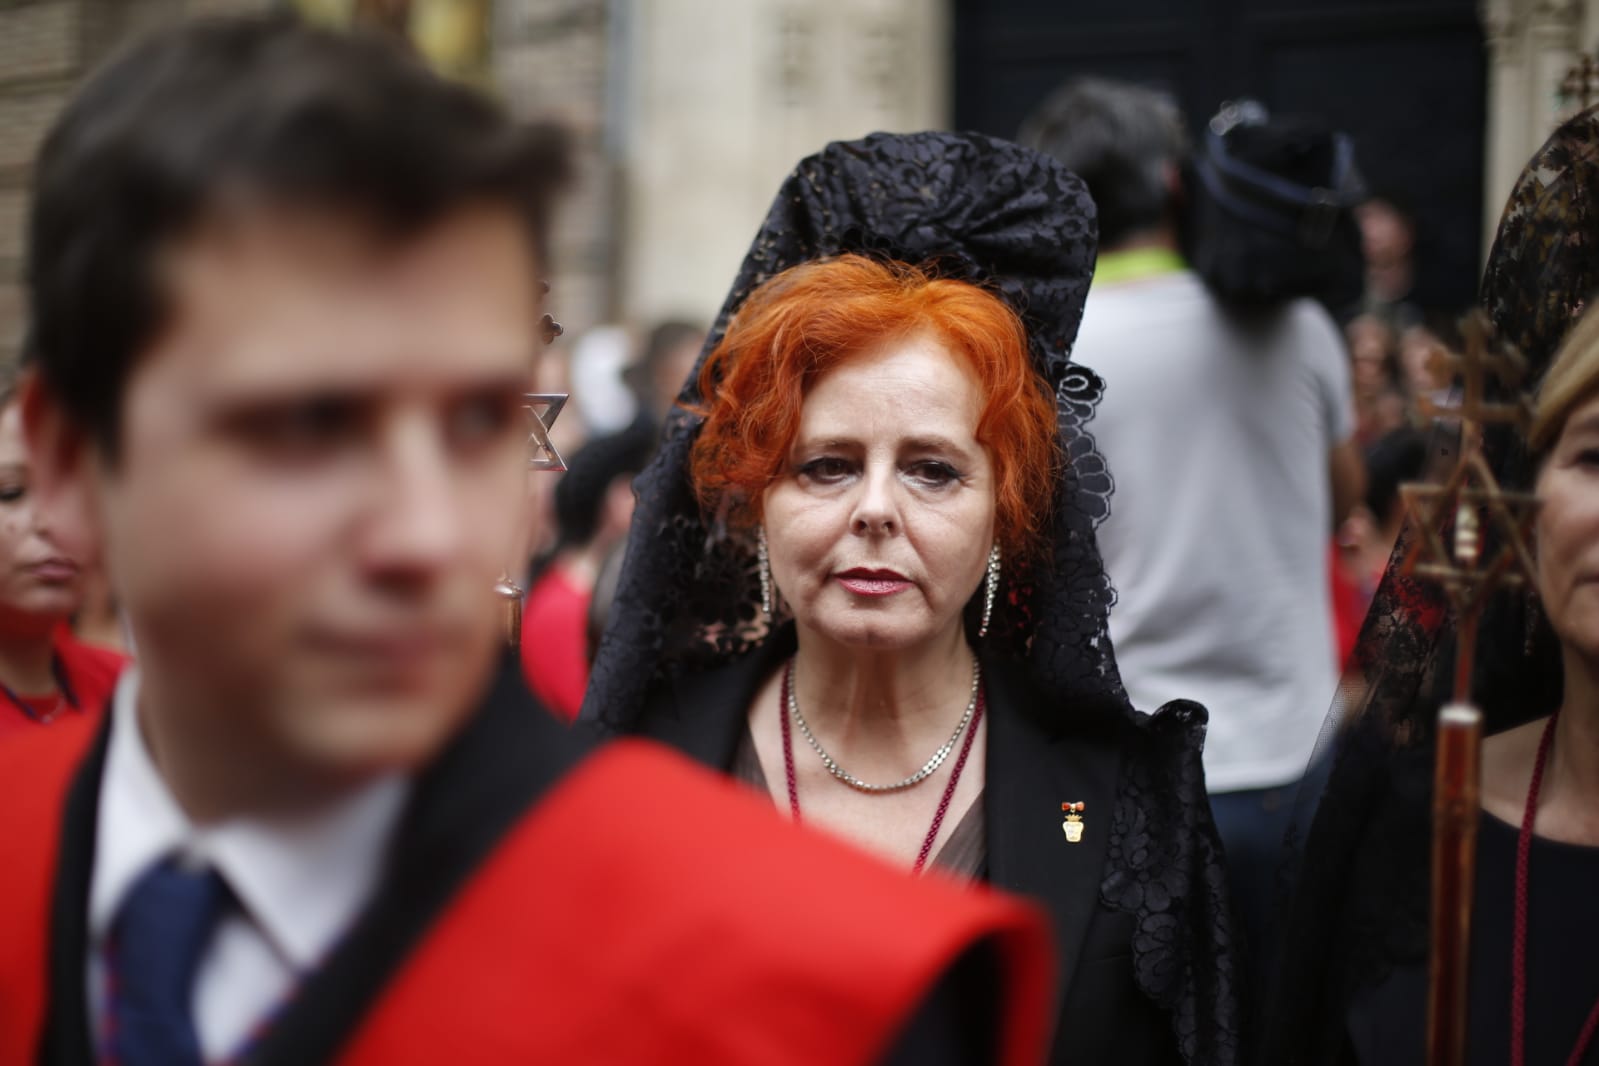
1073	825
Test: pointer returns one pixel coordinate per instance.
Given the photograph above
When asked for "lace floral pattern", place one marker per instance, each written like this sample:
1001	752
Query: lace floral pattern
1356	903
999	215
1171	881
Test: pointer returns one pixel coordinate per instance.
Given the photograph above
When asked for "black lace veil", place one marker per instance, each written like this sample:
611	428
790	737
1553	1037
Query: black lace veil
1357	879
976	209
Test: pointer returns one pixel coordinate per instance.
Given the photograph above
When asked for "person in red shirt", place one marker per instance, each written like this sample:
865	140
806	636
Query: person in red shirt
593	506
1366	539
45	672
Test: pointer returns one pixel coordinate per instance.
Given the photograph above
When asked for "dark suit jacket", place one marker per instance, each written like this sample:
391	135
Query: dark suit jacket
508	756
1030	771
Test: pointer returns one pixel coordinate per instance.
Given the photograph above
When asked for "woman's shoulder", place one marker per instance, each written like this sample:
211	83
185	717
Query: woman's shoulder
1167	744
1178	725
700	712
1172	735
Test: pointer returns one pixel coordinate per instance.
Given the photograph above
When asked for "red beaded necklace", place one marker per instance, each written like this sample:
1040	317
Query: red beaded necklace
44	709
943	803
1518	944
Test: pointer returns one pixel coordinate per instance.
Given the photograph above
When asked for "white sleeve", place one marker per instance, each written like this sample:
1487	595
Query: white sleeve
1322	347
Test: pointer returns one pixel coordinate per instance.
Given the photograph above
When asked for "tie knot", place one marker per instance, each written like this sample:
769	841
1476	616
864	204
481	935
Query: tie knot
157	940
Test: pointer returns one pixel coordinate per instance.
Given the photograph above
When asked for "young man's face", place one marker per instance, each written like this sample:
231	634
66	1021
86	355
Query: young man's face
322	472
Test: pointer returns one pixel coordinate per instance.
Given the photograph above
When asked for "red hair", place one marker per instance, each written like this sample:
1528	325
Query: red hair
813	317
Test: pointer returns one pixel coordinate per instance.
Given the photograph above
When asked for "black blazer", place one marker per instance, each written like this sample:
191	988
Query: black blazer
1030	771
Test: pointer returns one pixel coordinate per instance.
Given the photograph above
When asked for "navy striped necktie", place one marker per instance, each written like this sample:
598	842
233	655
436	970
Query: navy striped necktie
157	940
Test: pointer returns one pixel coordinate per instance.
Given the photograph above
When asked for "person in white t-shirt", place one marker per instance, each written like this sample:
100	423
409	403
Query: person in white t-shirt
1230	439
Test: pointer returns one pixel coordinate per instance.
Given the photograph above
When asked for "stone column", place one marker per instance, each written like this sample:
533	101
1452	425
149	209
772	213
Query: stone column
553	59
46	47
42	52
1532	45
723	97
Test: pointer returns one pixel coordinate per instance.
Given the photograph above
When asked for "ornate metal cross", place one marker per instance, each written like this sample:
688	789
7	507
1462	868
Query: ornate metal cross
1468	504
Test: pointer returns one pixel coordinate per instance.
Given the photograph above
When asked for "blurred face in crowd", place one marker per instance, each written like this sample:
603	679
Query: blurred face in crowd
880	528
1385	234
1370	353
1568	531
39	581
1419	349
321	467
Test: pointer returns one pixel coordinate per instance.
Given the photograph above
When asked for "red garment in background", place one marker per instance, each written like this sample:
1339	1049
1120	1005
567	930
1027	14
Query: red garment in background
90	672
555	658
1351	599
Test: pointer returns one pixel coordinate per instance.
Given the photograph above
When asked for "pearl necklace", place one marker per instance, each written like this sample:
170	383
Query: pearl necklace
928	768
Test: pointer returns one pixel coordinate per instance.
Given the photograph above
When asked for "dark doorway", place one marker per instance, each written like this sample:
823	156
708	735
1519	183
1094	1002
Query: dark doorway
1406	80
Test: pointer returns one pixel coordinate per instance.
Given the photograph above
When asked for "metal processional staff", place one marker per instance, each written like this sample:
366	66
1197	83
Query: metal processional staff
1454	521
542	410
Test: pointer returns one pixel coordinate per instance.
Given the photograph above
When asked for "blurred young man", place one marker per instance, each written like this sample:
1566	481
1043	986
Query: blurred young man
285	307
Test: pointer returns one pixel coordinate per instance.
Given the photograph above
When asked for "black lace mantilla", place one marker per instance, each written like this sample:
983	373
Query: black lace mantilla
1014	221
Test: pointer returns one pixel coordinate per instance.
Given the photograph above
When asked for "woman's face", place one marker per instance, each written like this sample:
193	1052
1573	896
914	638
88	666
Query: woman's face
880	526
1370	343
39	583
1416	353
1568	532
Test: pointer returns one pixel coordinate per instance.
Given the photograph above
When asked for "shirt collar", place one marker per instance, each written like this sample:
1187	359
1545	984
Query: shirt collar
302	880
1136	264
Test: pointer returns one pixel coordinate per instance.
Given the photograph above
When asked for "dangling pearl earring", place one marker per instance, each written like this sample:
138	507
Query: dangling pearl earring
990	586
764	567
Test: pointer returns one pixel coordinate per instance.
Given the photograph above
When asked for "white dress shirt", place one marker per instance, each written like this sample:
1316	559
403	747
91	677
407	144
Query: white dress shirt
300	882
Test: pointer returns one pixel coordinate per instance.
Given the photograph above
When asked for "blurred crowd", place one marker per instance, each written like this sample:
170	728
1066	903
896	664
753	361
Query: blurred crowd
1398	373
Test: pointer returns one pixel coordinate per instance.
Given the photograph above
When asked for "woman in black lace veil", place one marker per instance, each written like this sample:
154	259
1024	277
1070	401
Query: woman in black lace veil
1141	918
1349	986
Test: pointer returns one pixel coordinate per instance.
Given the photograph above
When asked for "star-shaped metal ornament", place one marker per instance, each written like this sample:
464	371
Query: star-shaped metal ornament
1450	553
543	409
1467	576
1452	519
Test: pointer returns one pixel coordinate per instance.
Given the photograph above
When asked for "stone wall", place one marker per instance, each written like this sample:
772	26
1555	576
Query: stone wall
46	46
42	51
721	98
551	59
686	114
1533	45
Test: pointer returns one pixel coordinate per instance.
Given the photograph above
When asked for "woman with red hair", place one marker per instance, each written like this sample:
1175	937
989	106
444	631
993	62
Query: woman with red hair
863	579
882	434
